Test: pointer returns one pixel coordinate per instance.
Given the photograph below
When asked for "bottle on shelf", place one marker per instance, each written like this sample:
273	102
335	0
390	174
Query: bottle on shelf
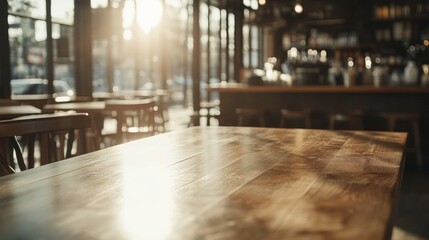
425	75
411	73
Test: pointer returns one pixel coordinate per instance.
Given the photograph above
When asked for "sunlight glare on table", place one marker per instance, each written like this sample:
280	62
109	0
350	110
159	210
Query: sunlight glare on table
147	204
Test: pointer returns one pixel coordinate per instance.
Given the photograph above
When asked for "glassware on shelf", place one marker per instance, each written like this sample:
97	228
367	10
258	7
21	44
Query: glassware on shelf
425	75
411	73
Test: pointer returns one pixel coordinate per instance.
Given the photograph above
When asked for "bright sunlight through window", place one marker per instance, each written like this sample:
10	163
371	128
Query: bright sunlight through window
149	12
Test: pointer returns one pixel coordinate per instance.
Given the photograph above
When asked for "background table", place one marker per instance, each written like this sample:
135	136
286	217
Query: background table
8	112
214	183
88	107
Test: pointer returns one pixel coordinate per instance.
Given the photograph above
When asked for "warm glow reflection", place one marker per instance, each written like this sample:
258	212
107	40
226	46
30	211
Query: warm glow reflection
149	12
148	205
127	34
148	196
128	14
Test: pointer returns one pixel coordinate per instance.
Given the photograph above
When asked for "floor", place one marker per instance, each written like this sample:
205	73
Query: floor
412	216
179	118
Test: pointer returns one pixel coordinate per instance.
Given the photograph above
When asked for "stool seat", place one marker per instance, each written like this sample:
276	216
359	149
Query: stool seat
350	119
411	118
303	115
400	116
246	115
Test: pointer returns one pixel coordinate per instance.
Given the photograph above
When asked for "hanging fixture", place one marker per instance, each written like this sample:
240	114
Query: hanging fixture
298	8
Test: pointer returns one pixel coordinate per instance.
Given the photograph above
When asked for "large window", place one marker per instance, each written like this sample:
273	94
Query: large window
126	44
137	44
252	51
28	28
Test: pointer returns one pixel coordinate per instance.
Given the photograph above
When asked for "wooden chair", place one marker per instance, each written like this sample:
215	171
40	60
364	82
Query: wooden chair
303	116
161	109
126	129
46	127
246	115
411	119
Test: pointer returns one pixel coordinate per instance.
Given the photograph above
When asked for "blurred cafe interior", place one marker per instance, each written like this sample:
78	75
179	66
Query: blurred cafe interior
343	64
357	65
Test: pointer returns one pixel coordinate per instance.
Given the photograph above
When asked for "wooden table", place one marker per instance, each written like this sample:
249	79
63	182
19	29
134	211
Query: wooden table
8	112
214	183
89	107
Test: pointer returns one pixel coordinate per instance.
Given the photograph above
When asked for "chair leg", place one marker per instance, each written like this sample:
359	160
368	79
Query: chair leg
392	124
307	123
5	169
331	123
416	133
262	121
44	148
70	141
240	121
30	151
18	153
282	122
53	151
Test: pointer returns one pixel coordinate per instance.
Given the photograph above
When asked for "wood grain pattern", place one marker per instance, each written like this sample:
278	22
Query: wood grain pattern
214	183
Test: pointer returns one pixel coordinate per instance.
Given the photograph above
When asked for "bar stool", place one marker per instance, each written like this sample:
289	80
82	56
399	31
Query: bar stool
413	120
351	120
303	116
246	115
196	117
211	108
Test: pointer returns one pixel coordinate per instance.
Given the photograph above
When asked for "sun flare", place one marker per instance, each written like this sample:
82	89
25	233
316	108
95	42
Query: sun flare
149	13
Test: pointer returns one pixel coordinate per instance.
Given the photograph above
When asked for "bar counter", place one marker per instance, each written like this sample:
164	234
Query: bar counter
244	88
322	99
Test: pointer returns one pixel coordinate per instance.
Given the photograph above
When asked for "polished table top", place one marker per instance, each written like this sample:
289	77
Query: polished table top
8	112
96	106
213	183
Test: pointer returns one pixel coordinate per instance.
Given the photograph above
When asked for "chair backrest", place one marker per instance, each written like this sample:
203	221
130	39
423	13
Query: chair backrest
51	130
142	110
